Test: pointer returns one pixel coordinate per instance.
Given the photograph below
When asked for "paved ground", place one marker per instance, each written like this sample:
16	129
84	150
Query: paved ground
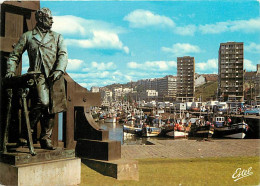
192	148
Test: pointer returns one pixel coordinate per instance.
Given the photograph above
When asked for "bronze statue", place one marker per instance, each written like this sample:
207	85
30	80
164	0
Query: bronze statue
48	58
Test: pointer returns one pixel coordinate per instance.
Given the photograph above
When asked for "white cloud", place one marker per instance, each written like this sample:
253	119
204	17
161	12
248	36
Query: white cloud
99	74
134	65
100	78
249	66
186	30
210	66
214	28
74	64
70	25
143	18
159	65
105	73
103	66
182	49
100	40
153	65
90	33
253	48
247	26
78	26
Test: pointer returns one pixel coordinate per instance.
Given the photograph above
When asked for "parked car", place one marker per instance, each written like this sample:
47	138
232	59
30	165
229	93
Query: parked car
255	111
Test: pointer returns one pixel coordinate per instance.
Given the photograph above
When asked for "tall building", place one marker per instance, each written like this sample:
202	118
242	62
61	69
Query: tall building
230	71
147	84
148	95
185	78
166	88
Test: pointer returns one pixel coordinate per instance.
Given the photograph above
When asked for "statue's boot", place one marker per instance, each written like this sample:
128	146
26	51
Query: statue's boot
47	123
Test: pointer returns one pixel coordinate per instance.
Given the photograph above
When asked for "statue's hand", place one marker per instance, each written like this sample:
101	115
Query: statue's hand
9	74
55	75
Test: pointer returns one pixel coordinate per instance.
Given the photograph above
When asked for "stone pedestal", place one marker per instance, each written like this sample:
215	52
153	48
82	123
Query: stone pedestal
98	152
119	169
96	149
57	167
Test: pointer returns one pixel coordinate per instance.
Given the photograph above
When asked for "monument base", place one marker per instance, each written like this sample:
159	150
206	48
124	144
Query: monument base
48	167
119	169
55	172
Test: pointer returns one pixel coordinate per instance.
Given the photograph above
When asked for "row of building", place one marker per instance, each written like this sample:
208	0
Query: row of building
159	89
234	83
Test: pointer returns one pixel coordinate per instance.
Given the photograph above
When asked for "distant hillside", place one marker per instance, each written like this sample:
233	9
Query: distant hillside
118	85
207	91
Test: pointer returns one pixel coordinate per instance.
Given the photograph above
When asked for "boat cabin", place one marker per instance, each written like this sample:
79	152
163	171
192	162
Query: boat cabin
219	121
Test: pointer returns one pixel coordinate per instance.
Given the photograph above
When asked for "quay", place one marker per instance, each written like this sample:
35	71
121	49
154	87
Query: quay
193	148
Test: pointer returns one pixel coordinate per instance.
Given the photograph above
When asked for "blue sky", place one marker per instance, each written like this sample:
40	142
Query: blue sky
116	42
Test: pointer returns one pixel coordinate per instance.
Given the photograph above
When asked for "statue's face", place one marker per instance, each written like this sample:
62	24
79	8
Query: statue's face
47	21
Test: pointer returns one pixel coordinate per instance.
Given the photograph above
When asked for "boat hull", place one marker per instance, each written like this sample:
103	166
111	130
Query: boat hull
151	131
237	131
180	134
201	131
132	130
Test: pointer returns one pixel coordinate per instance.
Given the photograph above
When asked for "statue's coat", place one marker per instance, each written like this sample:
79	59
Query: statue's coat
52	52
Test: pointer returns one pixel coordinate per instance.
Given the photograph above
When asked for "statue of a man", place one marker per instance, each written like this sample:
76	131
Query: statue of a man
48	57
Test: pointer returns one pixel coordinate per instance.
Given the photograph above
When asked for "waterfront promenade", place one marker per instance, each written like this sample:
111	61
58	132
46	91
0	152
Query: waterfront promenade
184	148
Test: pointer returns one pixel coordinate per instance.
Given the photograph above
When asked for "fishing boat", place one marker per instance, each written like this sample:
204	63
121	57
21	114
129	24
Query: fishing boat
237	130
132	130
180	134
227	129
149	131
200	127
176	131
201	131
167	130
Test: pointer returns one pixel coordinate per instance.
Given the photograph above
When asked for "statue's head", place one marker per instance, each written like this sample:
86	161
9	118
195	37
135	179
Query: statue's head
44	18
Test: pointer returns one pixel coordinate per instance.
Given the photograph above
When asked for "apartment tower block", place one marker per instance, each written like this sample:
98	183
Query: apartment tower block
231	71
185	78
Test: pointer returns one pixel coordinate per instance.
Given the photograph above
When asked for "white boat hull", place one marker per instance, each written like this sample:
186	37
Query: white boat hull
150	134
128	134
128	130
240	135
179	134
151	131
